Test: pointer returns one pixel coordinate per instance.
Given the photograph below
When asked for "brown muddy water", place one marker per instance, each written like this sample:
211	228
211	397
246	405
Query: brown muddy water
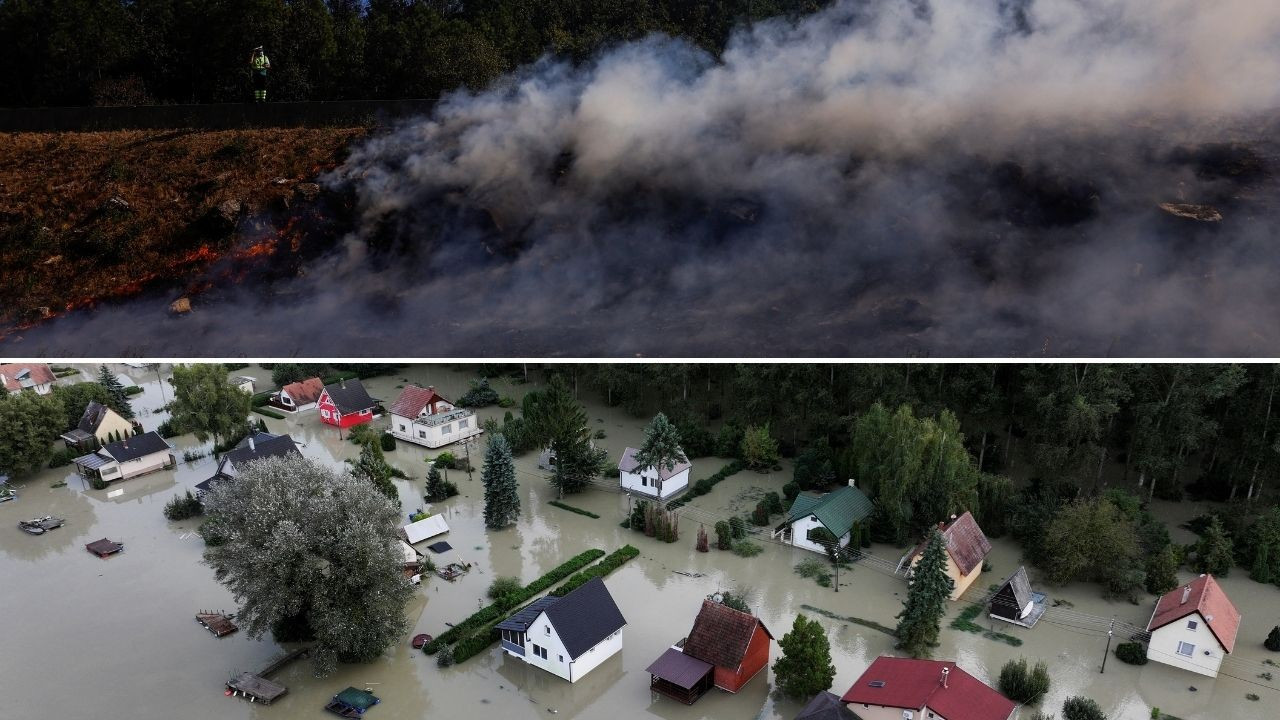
90	638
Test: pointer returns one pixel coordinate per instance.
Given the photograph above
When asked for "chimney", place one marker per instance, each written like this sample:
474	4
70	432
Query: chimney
252	447
343	383
853	483
942	525
1186	593
945	672
431	388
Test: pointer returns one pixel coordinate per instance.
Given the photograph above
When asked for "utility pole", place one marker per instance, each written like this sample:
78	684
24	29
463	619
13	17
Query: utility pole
466	445
160	380
1110	631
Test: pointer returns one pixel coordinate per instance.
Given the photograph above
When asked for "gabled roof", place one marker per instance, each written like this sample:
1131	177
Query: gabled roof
263	445
137	446
18	376
838	510
1020	584
628	464
520	621
1205	596
826	706
679	668
720	635
304	392
94	413
913	684
413	399
966	543
349	396
585	616
425	529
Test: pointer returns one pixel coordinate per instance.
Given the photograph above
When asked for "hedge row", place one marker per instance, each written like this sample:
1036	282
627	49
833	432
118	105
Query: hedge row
490	613
572	509
133	390
268	412
703	486
260	399
604	567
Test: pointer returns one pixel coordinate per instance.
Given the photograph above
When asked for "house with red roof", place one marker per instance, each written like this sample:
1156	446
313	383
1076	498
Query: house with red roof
1193	627
967	547
908	689
36	377
423	416
297	396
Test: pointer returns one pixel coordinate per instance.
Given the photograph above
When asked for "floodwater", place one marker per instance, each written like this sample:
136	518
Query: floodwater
115	638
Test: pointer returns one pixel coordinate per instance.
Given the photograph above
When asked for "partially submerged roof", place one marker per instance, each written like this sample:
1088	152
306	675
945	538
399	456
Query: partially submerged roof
838	511
912	684
20	376
1205	596
966	543
349	396
1020	584
585	616
413	399
356	698
826	706
259	446
304	392
520	621
425	529
679	669
137	446
720	635
628	464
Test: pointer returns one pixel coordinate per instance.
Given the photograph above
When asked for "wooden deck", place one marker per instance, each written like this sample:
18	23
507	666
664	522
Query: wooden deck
217	623
256	688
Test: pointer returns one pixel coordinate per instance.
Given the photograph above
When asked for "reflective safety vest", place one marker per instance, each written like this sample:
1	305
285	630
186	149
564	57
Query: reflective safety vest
261	63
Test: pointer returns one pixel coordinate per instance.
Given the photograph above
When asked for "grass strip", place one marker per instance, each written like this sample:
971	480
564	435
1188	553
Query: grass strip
965	622
850	619
268	412
572	509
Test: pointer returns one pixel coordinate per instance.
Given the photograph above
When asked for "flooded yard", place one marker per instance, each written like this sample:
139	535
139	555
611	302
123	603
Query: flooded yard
120	634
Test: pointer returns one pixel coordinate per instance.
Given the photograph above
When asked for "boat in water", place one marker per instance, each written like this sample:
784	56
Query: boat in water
40	526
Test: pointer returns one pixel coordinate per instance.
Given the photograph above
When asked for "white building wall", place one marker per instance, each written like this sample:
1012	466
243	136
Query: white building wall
800	535
646	482
1164	646
296	407
881	712
144	464
557	662
410	430
590	659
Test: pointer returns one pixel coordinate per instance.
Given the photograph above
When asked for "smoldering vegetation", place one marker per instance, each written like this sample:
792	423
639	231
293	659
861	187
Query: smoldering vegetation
970	177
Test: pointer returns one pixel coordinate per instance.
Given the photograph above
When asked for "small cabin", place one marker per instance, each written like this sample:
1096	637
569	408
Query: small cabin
1015	602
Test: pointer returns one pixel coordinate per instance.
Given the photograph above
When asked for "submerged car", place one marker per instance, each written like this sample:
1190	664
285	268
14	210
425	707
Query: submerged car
39	526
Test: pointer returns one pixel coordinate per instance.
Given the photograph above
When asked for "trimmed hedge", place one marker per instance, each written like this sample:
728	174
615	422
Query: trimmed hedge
268	412
572	509
133	390
1132	653
490	613
703	486
604	567
260	399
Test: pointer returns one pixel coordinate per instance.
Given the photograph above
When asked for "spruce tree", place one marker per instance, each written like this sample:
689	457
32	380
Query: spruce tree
437	487
661	447
501	494
119	398
805	667
1214	550
1272	642
926	603
372	467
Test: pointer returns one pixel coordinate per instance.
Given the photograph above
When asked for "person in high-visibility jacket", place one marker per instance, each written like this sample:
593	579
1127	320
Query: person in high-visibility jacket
259	65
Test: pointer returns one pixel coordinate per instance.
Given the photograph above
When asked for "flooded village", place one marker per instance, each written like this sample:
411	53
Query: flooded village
150	632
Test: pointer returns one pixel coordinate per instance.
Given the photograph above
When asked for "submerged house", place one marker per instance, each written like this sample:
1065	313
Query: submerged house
811	517
297	396
1193	627
97	426
257	446
908	689
725	649
36	377
424	529
566	636
648	481
1015	602
127	458
967	547
422	415
346	403
244	383
826	706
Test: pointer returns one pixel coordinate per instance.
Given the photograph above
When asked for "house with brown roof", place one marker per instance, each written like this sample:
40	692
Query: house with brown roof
908	689
36	377
423	416
297	396
725	649
1193	627
967	547
98	426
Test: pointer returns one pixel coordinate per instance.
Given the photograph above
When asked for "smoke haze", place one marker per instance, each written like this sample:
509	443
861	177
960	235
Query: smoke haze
886	177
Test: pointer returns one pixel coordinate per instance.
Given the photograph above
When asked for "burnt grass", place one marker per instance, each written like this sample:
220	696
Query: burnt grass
88	217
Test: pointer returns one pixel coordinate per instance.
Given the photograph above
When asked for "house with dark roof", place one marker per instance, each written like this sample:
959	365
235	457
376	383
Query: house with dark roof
98	426
258	446
346	403
967	547
567	636
423	416
908	689
128	458
297	396
36	377
1015	602
813	520
648	481
1194	627
826	706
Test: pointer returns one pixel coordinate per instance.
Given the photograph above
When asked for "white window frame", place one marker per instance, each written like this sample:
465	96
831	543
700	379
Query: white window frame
1186	649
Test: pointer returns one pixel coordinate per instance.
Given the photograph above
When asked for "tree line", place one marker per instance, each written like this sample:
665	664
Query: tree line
106	52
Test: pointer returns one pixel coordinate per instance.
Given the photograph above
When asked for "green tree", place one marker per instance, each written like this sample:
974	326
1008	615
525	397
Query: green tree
284	514
661	447
115	390
501	494
1264	547
204	402
724	535
438	488
31	422
1162	571
1085	530
1082	708
372	467
1272	642
921	616
1024	684
759	449
557	421
1214	551
805	667
75	398
285	373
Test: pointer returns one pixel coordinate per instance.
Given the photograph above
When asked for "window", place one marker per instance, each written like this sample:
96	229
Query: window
540	651
422	433
561	658
1186	648
447	428
546	629
1191	624
462	423
402	428
324	413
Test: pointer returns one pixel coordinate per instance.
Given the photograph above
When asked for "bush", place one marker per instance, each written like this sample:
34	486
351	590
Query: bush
737	527
506	402
445	658
446	461
815	569
388	442
474	644
759	448
479	395
773	503
704	486
1082	708
746	548
1131	653
1023	685
729	441
183	507
724	536
760	516
503	586
62	457
133	390
790	491
1272	642
97	483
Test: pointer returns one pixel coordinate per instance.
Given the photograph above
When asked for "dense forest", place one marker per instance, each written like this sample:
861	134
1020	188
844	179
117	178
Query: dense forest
107	52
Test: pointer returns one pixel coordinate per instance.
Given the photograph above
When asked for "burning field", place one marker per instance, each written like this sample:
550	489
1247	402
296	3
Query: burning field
1057	177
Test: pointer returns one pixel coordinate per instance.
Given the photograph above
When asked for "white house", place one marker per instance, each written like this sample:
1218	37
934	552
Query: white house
244	383
645	481
127	458
835	512
98	425
567	636
1193	627
16	377
297	396
422	416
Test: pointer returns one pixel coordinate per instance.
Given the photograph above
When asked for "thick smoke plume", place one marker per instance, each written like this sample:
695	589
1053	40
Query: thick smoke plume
886	177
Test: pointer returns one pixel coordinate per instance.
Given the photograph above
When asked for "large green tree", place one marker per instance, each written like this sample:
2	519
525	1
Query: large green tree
75	398
556	420
31	423
1086	530
661	447
115	389
204	402
310	553
372	467
1214	552
805	667
926	603
501	493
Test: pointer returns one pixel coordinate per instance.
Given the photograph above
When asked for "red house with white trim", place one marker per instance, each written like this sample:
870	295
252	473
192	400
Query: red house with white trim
346	403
